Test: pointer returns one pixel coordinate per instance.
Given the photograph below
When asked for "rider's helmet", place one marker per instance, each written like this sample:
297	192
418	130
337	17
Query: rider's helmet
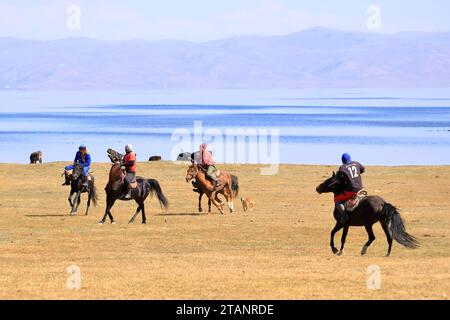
346	158
128	148
82	147
203	146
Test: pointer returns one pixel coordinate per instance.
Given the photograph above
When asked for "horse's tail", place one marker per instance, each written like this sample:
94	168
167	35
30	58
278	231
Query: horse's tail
397	227
155	188
235	185
94	195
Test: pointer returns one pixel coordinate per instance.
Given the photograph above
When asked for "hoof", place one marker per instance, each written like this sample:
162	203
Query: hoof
340	253
200	210
101	223
144	222
113	222
387	255
335	251
364	250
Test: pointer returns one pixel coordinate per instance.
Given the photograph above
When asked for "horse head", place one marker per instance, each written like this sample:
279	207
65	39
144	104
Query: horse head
115	157
191	172
77	171
330	185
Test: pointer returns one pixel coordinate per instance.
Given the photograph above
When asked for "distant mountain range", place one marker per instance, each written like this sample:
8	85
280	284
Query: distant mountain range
314	58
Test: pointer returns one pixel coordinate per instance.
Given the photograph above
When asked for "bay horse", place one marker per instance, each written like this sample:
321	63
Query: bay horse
115	187
76	188
198	189
226	188
371	209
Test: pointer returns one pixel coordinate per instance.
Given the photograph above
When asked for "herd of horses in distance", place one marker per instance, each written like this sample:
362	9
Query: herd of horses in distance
371	209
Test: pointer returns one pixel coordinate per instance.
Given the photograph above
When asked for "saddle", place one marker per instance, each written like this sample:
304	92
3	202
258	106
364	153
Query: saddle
133	184
353	203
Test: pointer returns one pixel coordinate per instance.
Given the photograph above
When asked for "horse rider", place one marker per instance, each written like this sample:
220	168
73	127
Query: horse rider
351	171
130	166
209	164
82	157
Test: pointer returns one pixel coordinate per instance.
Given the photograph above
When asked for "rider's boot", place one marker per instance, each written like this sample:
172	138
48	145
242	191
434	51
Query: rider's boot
345	217
85	183
195	185
67	181
127	194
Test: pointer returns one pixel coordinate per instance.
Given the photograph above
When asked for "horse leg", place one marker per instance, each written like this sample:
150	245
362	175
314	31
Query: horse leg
388	236
209	205
219	206
371	239
109	204
336	228
136	213
343	238
88	202
229	196
144	219
200	202
70	198
76	203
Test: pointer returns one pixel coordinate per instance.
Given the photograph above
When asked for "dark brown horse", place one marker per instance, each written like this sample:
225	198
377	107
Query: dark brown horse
205	186
115	187
371	209
77	188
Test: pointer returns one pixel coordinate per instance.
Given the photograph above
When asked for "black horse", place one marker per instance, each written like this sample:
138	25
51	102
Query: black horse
371	209
77	187
115	187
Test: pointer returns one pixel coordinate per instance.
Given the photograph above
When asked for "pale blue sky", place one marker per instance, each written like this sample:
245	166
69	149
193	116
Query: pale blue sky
201	20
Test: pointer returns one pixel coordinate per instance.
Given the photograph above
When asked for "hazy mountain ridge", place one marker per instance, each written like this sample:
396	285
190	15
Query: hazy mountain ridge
316	57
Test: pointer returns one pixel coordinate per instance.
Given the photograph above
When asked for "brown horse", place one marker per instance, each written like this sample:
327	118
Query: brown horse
206	186
115	187
371	209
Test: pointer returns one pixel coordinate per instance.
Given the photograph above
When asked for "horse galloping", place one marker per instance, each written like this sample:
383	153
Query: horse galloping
371	209
115	187
229	187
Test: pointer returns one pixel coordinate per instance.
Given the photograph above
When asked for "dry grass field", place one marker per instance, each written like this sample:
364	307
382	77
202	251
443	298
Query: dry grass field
279	251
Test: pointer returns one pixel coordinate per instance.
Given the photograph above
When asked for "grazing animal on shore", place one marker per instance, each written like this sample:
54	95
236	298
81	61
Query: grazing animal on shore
247	204
115	186
155	158
371	209
206	186
77	188
36	157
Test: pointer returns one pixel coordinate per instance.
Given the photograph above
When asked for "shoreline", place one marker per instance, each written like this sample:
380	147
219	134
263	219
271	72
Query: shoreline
178	163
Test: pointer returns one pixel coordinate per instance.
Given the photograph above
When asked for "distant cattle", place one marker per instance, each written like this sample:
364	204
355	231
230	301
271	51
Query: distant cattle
155	158
36	157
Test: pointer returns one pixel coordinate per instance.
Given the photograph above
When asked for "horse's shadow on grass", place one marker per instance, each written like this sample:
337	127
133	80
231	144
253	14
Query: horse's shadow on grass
194	214
45	215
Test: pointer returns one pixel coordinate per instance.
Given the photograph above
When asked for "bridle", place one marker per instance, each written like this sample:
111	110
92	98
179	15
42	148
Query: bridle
192	175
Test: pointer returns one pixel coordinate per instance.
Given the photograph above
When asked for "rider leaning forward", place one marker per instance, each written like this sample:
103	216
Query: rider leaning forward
209	164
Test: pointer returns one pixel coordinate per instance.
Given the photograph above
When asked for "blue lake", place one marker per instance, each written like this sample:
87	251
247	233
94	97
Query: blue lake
378	127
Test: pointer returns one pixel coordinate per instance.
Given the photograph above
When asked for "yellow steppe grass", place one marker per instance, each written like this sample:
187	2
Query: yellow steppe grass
280	251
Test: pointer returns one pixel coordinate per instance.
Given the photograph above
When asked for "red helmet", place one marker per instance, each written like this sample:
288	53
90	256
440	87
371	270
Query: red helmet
203	146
